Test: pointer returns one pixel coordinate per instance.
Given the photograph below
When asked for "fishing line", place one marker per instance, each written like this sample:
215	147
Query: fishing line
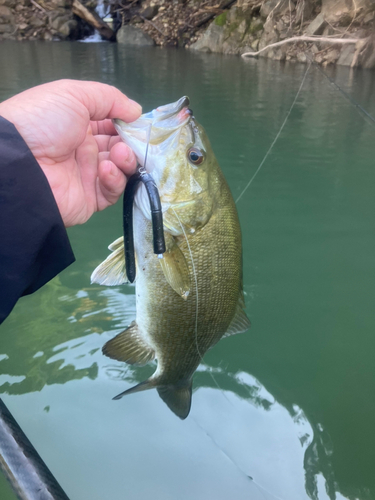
195	282
276	138
197	303
257	485
352	101
156	215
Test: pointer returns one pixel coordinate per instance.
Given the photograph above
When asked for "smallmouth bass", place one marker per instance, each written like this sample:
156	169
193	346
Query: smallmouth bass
193	296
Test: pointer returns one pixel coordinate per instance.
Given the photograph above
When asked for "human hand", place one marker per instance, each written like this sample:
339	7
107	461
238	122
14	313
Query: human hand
67	126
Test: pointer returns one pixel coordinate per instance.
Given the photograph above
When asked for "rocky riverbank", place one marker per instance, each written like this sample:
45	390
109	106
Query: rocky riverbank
338	31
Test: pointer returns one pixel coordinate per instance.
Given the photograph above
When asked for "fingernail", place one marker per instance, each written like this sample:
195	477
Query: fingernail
114	171
135	105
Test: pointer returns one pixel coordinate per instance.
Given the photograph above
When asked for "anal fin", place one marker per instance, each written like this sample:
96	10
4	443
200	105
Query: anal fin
129	346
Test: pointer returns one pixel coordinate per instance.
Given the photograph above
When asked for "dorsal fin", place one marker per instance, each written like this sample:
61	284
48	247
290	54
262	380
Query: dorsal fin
129	346
240	322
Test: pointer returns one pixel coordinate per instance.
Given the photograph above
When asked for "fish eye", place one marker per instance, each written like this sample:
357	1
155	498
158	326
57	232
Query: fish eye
195	156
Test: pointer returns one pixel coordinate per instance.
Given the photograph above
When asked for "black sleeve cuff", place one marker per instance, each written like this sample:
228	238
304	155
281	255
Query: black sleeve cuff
34	245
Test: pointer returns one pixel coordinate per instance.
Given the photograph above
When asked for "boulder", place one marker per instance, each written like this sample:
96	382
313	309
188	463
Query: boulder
36	22
211	41
6	14
130	35
62	24
150	12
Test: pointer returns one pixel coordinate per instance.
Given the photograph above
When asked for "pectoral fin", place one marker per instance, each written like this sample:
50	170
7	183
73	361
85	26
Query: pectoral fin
240	322
175	268
111	271
177	398
129	346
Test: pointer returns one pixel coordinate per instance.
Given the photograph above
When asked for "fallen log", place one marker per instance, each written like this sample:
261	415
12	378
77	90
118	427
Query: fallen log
93	20
321	39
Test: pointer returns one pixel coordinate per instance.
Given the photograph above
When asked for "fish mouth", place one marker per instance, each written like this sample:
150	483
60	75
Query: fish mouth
157	125
173	110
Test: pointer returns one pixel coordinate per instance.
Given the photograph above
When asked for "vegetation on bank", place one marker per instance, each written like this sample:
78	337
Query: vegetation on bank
226	26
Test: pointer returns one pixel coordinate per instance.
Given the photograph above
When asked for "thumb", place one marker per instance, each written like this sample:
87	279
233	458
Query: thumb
104	101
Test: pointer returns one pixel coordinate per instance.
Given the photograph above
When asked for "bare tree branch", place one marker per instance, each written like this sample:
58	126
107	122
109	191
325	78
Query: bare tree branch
304	39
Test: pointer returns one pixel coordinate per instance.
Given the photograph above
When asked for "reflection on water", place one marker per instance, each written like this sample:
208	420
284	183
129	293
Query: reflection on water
285	411
277	448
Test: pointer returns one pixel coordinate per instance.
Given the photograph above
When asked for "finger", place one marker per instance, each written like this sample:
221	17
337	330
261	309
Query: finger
104	101
104	127
111	184
106	142
103	156
122	156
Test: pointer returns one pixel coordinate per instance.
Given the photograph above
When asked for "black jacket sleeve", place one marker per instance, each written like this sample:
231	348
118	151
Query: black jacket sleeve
34	246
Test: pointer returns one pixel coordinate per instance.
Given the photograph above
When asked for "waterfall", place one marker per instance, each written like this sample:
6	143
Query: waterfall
102	9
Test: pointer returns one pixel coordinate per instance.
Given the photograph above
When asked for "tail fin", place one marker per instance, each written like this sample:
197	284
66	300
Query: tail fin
177	398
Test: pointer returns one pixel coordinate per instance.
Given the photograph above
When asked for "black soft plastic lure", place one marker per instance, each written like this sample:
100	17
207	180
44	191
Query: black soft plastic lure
156	216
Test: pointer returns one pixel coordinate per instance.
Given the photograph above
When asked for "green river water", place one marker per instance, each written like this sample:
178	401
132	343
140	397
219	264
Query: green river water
291	413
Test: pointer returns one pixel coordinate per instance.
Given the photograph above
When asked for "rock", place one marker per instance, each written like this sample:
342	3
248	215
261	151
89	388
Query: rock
332	56
59	4
304	10
232	14
347	54
256	25
275	6
36	22
130	35
369	17
150	12
67	28
62	24
6	28
255	45
367	56
47	36
269	36
344	11
328	31
211	40
316	27
6	14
